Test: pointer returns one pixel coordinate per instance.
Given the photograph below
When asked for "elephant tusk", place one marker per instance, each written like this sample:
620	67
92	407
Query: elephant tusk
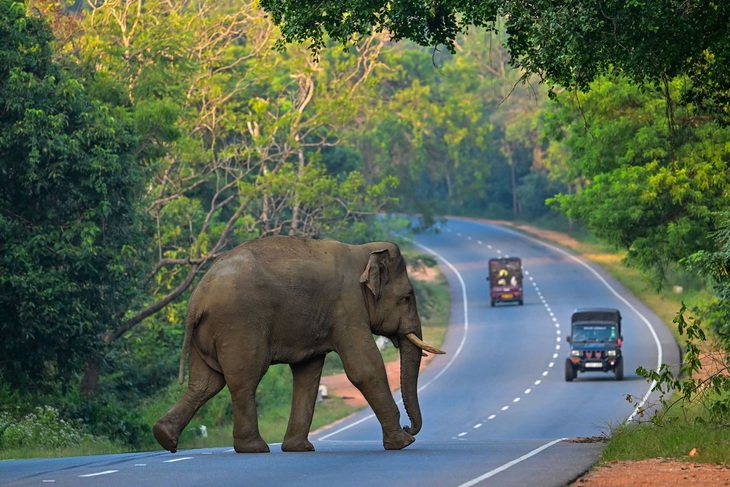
423	346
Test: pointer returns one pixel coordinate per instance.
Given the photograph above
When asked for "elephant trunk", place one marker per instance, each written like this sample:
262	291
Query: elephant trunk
410	364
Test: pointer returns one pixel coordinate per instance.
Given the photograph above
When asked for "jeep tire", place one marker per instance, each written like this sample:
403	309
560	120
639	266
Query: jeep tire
569	371
619	369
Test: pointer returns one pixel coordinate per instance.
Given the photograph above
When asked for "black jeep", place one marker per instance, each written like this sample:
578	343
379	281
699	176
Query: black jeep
595	343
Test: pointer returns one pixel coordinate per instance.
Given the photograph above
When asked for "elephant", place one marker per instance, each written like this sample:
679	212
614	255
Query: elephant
285	299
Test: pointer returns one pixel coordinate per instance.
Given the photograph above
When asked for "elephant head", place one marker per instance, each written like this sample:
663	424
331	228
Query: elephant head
393	313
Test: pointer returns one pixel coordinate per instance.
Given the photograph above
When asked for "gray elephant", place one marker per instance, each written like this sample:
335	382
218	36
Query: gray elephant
292	300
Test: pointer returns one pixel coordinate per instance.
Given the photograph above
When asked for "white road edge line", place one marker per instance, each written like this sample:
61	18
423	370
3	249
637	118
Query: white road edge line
514	462
453	357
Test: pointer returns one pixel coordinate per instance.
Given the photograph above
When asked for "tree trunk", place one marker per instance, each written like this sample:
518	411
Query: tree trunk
90	381
295	198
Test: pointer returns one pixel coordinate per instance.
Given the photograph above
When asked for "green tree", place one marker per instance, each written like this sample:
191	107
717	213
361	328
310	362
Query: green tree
713	265
232	133
69	228
643	190
426	125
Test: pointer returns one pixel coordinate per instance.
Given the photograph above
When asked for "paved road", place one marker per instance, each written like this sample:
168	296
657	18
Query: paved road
496	408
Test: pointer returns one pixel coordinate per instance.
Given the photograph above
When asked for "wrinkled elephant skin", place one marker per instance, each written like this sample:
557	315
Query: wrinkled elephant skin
292	300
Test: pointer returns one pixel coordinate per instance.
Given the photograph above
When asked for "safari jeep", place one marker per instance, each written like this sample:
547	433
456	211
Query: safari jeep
595	343
505	280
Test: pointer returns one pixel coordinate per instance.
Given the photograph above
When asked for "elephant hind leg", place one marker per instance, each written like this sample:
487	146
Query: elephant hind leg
243	384
203	383
306	376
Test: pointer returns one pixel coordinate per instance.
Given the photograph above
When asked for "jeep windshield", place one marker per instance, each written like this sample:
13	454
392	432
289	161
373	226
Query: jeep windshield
594	333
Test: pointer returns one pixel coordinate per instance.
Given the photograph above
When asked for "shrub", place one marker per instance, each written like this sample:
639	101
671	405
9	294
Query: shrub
42	428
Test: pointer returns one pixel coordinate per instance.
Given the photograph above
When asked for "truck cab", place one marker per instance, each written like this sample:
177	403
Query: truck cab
595	343
505	280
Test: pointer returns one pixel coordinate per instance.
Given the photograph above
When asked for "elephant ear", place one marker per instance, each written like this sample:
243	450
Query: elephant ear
376	272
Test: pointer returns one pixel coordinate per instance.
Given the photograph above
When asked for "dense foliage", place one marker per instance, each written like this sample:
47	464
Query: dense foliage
69	182
643	189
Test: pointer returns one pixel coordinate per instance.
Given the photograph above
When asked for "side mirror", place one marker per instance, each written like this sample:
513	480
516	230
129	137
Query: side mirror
569	339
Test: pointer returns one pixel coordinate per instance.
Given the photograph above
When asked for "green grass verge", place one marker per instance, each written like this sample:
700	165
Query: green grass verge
641	441
91	447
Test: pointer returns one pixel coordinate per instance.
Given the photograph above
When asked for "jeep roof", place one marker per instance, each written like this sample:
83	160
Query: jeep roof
602	315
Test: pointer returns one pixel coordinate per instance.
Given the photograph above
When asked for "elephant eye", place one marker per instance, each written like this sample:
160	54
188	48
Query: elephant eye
406	299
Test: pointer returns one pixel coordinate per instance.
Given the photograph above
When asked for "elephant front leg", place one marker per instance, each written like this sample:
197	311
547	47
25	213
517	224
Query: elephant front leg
385	409
306	376
365	369
203	383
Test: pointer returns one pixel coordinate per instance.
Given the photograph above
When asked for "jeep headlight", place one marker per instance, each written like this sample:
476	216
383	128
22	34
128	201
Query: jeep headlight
611	353
575	353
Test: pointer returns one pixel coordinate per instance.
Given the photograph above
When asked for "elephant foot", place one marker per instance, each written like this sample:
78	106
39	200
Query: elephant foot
257	445
297	445
398	441
165	437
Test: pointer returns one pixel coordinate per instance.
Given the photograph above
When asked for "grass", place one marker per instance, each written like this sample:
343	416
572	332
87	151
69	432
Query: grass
642	441
91	447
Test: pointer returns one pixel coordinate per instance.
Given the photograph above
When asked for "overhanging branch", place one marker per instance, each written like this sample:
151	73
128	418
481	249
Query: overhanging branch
111	336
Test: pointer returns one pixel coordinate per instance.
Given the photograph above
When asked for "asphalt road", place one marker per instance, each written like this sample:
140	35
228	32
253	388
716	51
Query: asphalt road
496	408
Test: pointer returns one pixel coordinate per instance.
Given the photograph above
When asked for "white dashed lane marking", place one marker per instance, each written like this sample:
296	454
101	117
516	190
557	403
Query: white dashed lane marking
555	355
96	474
178	459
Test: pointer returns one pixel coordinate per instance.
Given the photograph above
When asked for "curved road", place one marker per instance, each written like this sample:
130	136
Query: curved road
496	408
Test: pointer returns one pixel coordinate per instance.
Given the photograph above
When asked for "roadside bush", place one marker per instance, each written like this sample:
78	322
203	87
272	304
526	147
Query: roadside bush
701	397
43	428
275	388
333	364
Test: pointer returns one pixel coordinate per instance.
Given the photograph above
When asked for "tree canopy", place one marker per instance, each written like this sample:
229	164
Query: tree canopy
568	43
656	195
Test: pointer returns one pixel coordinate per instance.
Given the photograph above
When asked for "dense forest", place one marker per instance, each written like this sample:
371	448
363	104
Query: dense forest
139	140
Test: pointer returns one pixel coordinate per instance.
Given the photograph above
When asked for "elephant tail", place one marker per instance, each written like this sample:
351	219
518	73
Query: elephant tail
190	323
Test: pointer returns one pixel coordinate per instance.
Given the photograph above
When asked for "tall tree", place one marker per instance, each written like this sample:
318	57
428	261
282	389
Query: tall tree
231	131
69	228
644	190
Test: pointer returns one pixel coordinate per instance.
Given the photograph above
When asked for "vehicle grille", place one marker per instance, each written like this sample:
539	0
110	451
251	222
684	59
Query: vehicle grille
593	354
